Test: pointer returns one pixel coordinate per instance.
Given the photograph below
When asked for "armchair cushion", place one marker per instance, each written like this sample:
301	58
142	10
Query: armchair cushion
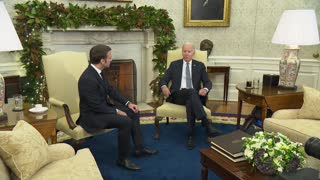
310	108
173	110
23	150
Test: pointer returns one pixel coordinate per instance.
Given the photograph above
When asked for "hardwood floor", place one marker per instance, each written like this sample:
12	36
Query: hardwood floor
231	107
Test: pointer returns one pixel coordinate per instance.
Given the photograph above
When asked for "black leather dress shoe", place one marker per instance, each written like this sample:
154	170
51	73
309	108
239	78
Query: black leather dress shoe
126	163
211	131
190	143
145	152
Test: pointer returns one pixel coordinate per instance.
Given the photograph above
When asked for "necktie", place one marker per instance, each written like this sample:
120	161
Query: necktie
188	77
102	75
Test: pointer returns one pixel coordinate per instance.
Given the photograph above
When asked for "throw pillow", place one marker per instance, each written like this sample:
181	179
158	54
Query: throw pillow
310	108
23	150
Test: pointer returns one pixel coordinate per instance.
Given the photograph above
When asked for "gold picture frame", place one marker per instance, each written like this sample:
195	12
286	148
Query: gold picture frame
206	13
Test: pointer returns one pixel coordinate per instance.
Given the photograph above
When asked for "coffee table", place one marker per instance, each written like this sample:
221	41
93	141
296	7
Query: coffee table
44	122
225	168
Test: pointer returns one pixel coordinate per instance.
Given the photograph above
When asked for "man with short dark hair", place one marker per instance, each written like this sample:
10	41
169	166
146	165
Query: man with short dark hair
97	113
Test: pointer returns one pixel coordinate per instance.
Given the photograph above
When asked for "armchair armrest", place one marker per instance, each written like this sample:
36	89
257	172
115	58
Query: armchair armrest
56	102
286	114
65	107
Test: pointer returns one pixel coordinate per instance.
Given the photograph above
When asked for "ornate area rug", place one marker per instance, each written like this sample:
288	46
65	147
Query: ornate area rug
220	118
148	118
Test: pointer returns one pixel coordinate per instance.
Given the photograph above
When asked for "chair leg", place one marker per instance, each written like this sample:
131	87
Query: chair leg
167	120
157	119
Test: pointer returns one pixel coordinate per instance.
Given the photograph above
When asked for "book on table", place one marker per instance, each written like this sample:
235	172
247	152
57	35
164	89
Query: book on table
233	159
230	144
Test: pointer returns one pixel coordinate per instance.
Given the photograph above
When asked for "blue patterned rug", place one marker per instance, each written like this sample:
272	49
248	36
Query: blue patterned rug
174	162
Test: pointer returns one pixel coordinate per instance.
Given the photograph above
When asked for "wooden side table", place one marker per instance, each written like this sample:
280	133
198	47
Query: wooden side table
226	71
274	98
45	122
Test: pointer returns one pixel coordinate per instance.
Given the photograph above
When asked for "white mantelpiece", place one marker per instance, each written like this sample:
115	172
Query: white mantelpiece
135	44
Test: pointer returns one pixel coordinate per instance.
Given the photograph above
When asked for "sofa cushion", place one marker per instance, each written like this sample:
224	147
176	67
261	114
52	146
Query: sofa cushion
4	172
310	108
299	130
82	166
23	150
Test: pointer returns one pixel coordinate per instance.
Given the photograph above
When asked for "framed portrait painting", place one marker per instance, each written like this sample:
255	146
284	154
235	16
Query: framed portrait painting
206	13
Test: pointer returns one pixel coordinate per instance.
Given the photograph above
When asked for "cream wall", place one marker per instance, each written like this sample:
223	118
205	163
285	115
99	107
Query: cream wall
251	28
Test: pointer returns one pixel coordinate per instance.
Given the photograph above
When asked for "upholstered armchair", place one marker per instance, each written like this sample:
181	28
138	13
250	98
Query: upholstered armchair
24	154
62	72
299	124
173	110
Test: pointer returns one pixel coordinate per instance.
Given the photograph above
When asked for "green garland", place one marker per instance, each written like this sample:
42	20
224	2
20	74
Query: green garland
34	17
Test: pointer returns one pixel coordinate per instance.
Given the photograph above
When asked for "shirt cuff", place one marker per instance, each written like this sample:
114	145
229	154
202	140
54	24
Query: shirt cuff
117	110
163	86
127	103
206	89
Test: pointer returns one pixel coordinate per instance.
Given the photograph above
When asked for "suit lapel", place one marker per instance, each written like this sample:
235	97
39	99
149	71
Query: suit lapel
193	71
179	71
97	76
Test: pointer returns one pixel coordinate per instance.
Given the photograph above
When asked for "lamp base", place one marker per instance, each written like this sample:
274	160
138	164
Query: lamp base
289	67
3	117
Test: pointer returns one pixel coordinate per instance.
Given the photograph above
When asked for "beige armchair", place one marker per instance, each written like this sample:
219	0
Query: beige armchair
173	110
62	72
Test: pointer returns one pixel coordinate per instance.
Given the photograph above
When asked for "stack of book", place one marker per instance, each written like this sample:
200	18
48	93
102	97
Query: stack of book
230	145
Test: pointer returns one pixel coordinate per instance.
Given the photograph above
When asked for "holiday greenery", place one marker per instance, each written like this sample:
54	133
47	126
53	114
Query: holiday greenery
273	153
34	17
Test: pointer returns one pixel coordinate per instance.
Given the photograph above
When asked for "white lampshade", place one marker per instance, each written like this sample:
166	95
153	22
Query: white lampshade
297	27
9	40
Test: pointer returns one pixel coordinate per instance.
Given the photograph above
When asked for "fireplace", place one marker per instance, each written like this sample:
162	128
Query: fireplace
122	76
136	45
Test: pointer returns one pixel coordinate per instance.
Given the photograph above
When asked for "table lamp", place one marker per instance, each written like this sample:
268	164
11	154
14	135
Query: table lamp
295	28
9	41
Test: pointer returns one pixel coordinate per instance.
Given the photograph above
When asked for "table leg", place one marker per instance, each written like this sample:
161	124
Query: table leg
239	112
227	84
263	113
54	136
224	87
204	172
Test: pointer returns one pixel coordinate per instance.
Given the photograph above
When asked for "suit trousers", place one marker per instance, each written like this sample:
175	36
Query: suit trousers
126	125
136	133
194	106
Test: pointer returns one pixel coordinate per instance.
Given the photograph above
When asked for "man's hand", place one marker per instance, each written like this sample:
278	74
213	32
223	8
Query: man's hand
166	91
133	107
121	113
203	92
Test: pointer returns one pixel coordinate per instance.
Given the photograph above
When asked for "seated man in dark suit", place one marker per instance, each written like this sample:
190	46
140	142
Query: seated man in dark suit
186	76
96	112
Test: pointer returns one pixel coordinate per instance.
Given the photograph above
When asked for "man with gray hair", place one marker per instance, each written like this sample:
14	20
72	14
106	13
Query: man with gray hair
186	76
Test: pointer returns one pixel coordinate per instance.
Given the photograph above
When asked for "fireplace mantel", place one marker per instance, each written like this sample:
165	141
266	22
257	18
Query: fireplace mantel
135	44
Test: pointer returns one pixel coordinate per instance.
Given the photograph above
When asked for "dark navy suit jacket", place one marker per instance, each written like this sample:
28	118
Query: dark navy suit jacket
174	74
93	92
